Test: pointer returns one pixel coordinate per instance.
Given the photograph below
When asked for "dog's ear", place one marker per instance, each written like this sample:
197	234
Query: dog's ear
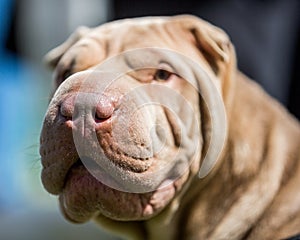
53	56
216	48
218	63
79	52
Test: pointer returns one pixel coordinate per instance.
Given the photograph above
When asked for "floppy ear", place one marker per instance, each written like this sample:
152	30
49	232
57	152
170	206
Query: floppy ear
215	48
53	57
79	52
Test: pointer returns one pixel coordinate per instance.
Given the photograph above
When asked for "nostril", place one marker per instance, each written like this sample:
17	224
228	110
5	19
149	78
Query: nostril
100	119
104	110
103	107
67	108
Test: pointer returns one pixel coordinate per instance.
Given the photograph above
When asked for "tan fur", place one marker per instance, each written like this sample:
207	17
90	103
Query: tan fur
253	191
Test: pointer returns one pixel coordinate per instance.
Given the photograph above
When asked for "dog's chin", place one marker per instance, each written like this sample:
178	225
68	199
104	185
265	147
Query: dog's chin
84	197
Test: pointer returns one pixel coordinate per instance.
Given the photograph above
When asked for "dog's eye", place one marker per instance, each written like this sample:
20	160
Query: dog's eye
162	75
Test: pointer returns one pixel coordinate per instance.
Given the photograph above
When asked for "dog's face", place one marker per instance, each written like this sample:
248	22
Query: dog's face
124	145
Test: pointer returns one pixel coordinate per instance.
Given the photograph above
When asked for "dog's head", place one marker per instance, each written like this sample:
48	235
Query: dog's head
127	128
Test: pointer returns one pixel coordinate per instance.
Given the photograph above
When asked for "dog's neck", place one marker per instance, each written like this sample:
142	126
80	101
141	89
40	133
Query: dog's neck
240	190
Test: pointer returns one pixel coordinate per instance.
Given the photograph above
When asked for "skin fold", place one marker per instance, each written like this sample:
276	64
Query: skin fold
145	184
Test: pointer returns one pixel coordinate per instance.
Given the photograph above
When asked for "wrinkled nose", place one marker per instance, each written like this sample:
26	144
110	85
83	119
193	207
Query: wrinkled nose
98	108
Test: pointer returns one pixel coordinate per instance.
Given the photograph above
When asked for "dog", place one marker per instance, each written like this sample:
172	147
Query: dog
149	171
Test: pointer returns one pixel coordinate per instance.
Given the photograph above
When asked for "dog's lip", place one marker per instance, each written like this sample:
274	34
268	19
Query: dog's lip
147	203
55	182
127	162
111	180
95	170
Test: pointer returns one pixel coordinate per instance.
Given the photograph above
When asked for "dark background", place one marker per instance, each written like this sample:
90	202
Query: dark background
265	34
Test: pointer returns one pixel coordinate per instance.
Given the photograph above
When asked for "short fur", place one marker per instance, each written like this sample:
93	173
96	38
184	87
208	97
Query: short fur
253	191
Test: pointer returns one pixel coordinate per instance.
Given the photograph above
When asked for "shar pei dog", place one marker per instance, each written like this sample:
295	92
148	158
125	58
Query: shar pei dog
154	133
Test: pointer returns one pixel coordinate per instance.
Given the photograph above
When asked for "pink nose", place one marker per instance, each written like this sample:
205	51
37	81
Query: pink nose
101	108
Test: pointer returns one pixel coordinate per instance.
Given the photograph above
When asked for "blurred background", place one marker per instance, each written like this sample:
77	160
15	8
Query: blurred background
266	35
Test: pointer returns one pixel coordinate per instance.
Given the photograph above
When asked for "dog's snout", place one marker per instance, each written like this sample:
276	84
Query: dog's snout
101	109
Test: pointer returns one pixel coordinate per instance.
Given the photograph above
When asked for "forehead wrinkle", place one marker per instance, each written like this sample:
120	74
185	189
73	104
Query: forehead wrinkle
138	36
148	59
127	34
